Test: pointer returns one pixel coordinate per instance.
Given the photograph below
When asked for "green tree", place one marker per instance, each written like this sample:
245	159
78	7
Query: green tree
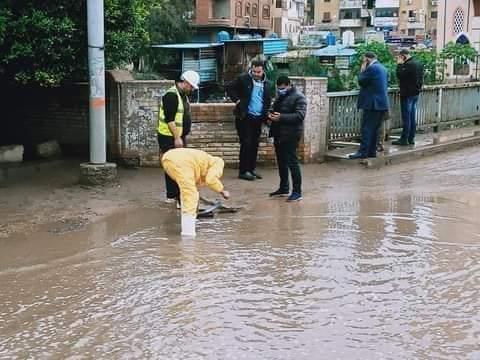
430	62
459	53
384	55
47	41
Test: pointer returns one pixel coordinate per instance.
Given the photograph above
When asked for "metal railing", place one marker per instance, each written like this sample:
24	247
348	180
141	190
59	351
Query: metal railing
350	4
438	105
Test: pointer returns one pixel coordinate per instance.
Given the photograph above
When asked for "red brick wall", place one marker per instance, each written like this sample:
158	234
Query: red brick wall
213	130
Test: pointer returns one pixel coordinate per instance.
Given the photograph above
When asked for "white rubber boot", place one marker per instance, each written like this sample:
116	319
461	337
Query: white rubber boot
188	225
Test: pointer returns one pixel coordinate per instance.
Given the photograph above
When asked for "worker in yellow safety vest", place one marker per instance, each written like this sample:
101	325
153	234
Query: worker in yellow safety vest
174	123
190	168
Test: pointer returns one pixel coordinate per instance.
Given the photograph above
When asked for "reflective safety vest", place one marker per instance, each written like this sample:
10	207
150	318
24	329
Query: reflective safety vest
163	128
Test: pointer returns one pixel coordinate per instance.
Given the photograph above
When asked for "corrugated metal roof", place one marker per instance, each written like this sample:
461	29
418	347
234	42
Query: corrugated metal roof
334	50
274	46
188	46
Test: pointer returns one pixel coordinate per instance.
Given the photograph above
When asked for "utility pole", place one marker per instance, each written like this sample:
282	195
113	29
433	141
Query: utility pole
96	70
97	171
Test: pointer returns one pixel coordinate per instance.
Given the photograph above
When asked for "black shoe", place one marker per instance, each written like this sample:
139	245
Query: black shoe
411	142
357	155
400	142
257	175
279	193
247	175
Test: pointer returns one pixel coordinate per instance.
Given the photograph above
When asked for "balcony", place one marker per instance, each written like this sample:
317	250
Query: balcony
385	21
351	4
219	22
415	25
349	23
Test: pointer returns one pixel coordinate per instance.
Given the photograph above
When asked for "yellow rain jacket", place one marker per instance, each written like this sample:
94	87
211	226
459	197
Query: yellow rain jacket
191	168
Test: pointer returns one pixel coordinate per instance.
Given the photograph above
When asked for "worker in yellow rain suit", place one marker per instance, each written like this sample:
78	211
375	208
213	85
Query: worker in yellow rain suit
190	168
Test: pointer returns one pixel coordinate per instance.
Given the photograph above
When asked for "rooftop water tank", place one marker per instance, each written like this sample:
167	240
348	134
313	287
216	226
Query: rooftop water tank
331	39
223	36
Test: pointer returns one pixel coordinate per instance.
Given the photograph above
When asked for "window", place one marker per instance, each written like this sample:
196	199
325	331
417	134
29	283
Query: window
458	19
247	9
326	0
266	12
238	8
411	13
326	17
411	32
476	7
434	14
278	4
254	10
386	13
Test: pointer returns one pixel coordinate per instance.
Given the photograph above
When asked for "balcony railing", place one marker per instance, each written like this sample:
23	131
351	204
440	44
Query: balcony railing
219	21
351	4
350	23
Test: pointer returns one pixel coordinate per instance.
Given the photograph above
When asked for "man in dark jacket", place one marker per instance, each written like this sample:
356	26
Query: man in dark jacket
410	78
286	128
373	100
251	94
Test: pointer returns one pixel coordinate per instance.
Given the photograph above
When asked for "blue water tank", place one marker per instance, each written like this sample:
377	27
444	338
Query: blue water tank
331	39
223	36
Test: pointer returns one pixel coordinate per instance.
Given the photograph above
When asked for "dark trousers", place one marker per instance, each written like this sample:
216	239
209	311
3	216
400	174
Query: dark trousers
286	152
408	105
166	143
249	130
371	122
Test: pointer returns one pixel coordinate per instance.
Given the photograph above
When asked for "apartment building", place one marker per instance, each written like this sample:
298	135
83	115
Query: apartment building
431	19
288	18
326	15
355	16
386	16
234	16
413	18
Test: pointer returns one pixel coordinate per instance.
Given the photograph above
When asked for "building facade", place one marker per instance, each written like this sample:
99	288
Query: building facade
326	15
386	16
413	18
355	16
459	21
288	18
233	16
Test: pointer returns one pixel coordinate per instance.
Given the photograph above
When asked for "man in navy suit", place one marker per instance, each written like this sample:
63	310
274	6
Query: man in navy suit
373	100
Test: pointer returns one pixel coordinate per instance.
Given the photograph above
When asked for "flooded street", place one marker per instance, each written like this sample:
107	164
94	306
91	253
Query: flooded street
371	265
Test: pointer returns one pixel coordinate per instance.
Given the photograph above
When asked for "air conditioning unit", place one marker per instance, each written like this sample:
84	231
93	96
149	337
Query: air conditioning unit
412	19
434	2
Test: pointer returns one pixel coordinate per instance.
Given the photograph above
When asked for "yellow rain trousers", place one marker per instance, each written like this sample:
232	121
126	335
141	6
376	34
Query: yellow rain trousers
191	168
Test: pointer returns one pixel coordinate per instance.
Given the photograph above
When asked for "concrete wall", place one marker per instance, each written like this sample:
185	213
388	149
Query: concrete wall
213	125
34	115
132	113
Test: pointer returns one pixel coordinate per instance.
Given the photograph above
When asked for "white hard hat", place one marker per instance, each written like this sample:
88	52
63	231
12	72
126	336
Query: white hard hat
192	78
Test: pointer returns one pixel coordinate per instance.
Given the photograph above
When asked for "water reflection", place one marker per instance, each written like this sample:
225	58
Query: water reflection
354	276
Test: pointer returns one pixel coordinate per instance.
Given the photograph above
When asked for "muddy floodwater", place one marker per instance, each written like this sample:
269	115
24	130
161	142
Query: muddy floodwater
378	265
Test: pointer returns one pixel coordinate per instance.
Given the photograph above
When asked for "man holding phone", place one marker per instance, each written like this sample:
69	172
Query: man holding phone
286	128
373	100
410	78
